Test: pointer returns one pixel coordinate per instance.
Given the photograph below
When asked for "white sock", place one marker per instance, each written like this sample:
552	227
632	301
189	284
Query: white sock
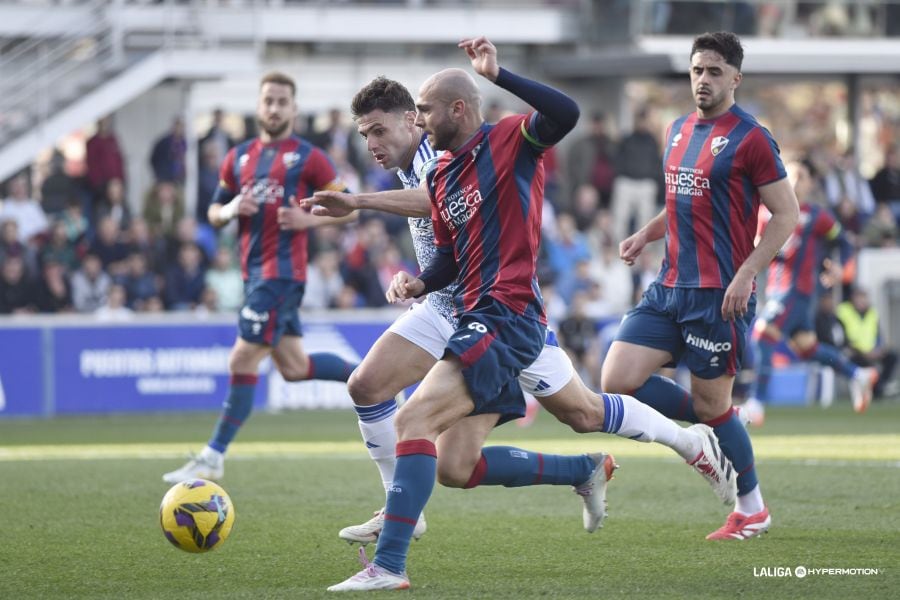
380	437
751	503
643	423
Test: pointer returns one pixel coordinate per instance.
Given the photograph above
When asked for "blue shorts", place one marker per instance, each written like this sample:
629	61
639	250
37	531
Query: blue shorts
495	345
790	313
271	309
688	324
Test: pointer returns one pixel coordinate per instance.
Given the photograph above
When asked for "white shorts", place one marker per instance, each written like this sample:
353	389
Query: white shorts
424	327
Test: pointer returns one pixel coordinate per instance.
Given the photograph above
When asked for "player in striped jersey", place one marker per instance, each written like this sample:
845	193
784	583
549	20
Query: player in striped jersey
489	180
719	164
384	111
260	182
791	292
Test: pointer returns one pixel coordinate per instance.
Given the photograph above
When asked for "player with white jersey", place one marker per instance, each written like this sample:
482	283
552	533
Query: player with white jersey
385	115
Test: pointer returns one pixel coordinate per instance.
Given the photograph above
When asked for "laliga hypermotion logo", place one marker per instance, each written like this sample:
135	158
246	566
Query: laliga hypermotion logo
718	144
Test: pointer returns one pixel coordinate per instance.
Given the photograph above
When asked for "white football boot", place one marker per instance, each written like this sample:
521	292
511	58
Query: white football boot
593	491
861	385
209	464
372	577
713	465
369	531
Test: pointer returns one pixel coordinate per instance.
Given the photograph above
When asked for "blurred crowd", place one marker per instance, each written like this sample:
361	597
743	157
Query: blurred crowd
74	244
822	18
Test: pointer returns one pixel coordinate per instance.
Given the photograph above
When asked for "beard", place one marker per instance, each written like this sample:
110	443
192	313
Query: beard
273	131
709	101
442	137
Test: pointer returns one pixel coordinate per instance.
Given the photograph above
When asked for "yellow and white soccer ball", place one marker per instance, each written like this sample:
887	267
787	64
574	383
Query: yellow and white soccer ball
196	515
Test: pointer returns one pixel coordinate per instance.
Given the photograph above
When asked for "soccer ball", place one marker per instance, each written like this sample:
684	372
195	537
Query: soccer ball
196	515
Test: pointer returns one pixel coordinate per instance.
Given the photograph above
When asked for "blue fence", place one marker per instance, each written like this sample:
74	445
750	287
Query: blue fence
78	366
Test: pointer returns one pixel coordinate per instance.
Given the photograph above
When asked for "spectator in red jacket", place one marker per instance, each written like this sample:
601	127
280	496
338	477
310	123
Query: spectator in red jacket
103	159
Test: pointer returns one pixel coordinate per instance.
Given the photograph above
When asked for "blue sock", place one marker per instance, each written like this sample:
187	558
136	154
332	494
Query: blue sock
831	356
736	445
237	407
514	467
330	367
765	349
407	496
668	398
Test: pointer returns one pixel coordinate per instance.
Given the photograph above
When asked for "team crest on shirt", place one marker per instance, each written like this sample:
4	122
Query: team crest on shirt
718	144
290	159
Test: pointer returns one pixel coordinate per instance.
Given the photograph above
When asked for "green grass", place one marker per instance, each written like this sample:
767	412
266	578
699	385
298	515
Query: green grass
82	527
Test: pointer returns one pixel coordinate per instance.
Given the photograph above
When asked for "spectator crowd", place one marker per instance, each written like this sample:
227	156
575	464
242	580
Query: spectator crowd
73	244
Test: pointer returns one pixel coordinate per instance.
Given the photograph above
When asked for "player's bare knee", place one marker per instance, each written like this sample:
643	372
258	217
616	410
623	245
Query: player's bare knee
292	375
615	381
363	388
298	371
241	363
804	340
454	474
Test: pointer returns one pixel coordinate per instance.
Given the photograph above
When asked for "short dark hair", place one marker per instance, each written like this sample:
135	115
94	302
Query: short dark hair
382	93
281	79
725	43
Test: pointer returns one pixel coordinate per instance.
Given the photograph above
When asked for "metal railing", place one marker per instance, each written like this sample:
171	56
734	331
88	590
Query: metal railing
39	72
43	73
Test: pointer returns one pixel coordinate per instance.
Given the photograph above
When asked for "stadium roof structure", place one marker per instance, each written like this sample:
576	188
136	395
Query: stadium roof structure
666	55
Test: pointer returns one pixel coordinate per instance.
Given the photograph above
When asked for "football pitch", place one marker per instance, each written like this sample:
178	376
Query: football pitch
81	495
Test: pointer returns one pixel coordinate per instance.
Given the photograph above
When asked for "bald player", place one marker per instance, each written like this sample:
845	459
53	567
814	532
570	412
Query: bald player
486	193
385	113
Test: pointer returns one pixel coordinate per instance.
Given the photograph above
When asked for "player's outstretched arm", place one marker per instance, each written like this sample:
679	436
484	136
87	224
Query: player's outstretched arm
779	198
557	113
406	203
295	217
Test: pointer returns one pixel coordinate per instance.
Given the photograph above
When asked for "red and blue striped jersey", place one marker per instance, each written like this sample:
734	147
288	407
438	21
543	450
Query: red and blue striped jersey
486	202
713	171
796	266
272	174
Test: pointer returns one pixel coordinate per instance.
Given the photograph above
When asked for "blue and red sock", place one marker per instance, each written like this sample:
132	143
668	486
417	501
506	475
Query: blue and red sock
668	398
514	467
413	482
675	402
735	443
827	354
238	406
329	367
